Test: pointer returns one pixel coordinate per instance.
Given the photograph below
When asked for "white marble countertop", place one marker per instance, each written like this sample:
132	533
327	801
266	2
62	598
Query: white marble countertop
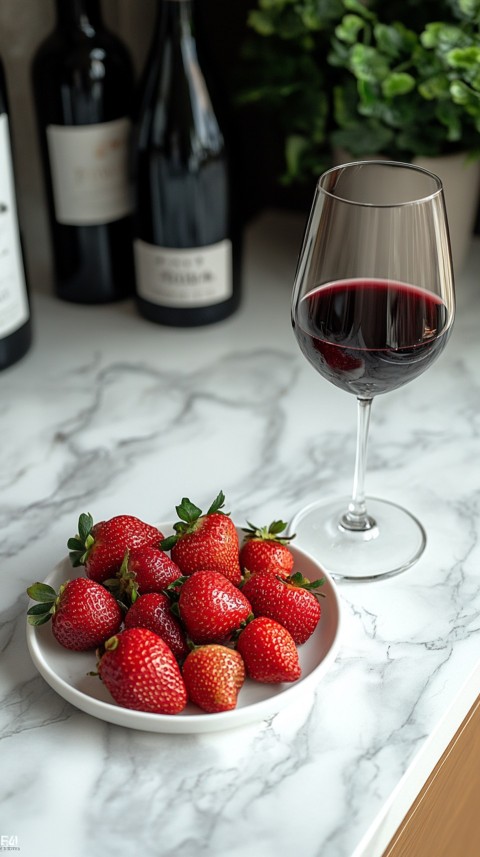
111	414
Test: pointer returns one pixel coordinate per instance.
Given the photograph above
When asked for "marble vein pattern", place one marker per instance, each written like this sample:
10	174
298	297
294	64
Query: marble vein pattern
111	414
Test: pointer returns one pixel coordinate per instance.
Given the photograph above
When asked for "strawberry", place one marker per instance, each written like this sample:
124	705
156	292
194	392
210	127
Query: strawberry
144	569
207	541
291	602
83	613
211	607
213	676
152	611
264	549
101	547
141	672
268	651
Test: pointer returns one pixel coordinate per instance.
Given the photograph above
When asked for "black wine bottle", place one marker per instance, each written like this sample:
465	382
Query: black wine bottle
15	323
83	87
186	233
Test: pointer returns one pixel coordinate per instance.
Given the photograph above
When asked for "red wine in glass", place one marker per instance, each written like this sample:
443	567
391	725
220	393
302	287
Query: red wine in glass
373	306
371	336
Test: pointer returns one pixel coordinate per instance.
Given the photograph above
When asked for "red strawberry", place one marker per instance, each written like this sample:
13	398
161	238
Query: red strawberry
83	613
289	602
152	611
101	547
141	672
211	607
268	651
146	569
207	541
264	549
213	676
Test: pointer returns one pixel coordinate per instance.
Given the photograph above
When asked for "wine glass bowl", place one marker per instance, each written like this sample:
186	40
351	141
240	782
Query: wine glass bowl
373	307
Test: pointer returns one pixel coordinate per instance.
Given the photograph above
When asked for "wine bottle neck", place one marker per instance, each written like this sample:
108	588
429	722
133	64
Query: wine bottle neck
83	14
174	16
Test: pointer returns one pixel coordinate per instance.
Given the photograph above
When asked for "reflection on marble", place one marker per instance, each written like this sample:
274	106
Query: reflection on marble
111	414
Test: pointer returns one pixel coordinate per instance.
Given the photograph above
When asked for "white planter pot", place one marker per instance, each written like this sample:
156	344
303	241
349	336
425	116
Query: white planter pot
460	177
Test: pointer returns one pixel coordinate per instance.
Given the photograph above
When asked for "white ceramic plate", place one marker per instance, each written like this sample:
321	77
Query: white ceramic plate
67	672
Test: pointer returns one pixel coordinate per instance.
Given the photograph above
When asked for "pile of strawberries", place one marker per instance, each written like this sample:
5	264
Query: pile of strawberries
183	618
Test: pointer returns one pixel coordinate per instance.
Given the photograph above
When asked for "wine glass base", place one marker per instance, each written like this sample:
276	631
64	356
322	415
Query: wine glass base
390	547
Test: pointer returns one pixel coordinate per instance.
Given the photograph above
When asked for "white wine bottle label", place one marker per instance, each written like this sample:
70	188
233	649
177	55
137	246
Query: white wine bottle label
14	310
194	277
89	166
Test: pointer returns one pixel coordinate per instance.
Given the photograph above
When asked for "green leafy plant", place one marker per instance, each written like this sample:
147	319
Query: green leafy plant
400	79
284	72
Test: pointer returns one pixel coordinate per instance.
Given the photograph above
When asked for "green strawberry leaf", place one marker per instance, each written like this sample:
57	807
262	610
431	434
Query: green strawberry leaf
189	514
41	592
80	544
173	588
298	579
217	504
41	609
114	585
243	624
277	527
111	644
124	565
168	543
79	552
271	533
75	544
172	591
85	524
39	620
187	511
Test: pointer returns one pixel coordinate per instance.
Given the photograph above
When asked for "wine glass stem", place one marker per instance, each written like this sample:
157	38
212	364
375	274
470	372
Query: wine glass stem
356	518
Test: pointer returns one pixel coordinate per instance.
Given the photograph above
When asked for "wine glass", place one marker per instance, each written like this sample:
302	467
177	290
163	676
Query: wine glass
373	306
